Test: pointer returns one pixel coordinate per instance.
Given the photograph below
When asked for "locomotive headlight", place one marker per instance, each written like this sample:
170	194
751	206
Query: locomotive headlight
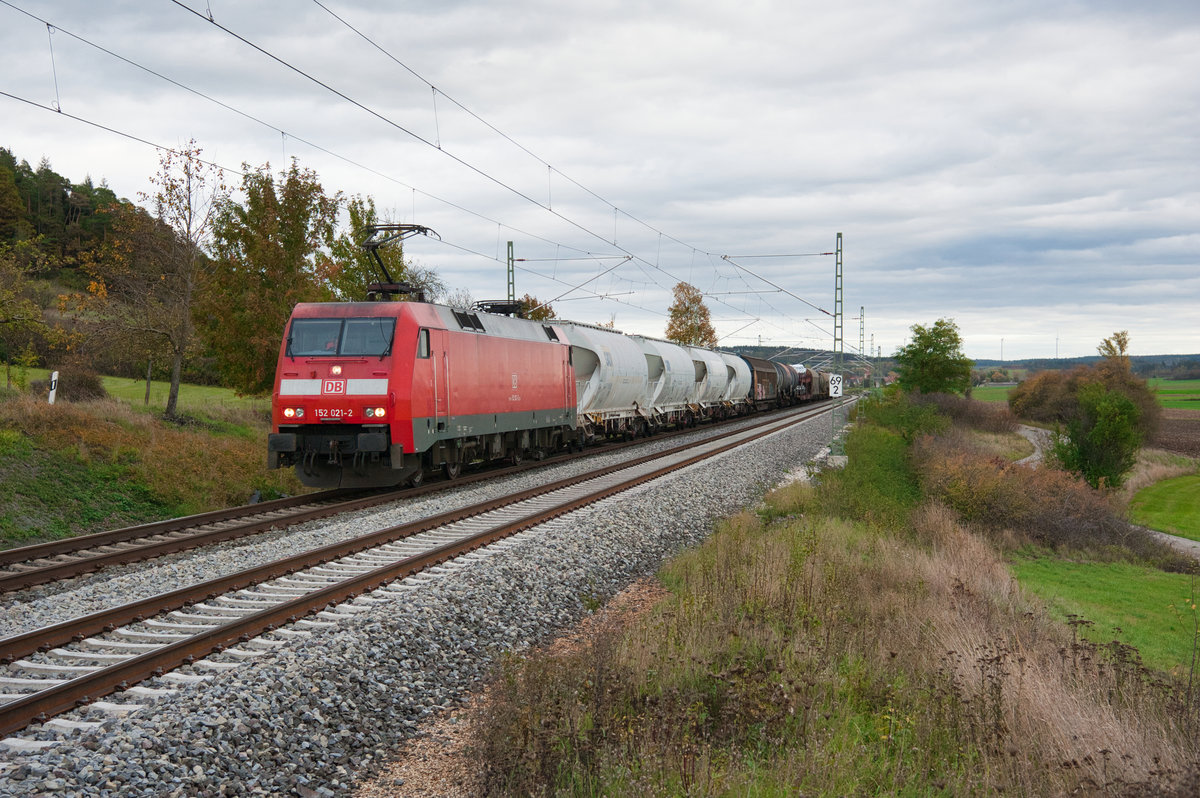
374	412
335	370
293	412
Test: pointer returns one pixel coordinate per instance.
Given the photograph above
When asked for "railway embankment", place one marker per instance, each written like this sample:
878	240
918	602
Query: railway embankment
308	718
861	635
78	467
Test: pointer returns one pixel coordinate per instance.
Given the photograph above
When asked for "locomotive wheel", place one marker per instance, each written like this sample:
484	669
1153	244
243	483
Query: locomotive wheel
452	470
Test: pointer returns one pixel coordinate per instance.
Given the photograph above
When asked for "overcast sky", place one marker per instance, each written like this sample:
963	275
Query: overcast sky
1029	169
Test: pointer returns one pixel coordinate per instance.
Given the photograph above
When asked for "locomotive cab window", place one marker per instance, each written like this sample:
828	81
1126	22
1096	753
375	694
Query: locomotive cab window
341	337
423	344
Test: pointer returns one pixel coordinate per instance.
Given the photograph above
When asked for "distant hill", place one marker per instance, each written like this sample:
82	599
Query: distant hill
1167	366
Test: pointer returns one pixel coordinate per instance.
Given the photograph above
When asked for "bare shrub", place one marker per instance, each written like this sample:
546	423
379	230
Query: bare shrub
1051	397
1050	507
77	382
986	416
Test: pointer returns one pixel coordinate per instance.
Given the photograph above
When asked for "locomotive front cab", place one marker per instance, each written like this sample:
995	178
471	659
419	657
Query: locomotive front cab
333	403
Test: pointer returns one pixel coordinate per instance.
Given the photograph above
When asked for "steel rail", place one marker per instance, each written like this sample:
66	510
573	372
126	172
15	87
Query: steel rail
326	503
70	545
17	646
89	687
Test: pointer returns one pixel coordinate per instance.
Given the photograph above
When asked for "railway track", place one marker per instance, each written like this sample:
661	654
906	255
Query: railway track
239	617
43	563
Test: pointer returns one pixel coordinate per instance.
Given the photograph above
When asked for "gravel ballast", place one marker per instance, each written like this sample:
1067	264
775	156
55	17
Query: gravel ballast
317	716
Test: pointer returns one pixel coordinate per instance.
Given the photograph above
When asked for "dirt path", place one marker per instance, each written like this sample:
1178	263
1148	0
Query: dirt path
1040	438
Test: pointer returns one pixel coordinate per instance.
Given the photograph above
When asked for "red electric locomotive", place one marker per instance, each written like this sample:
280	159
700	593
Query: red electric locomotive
374	393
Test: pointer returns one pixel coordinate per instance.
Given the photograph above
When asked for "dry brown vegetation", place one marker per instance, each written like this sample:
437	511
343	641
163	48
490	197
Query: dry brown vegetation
186	467
839	642
1046	506
815	657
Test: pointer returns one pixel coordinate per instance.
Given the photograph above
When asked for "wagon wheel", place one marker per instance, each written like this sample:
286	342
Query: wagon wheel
452	470
516	457
417	478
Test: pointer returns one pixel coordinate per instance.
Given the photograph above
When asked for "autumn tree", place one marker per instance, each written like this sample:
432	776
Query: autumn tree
266	251
688	321
146	280
533	309
933	362
1115	348
1103	413
349	268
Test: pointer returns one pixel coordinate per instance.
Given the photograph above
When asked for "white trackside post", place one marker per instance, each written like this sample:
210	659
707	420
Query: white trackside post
53	385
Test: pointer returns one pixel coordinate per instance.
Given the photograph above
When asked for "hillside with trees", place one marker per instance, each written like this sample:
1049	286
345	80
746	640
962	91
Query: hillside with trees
192	282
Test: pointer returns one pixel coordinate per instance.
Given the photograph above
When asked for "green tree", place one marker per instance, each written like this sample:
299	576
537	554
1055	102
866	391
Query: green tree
1117	374
266	250
1101	440
933	361
12	210
688	320
349	269
533	309
21	317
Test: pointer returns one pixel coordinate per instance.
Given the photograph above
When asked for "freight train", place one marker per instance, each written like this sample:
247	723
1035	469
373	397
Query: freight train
383	393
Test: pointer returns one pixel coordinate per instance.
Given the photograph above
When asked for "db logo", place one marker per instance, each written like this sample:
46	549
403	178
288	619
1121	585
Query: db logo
333	386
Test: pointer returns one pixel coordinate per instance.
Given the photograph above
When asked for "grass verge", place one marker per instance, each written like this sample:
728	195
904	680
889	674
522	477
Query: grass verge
77	467
1172	505
1142	607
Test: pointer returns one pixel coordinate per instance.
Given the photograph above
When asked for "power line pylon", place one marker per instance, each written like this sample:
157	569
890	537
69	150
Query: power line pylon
512	283
838	344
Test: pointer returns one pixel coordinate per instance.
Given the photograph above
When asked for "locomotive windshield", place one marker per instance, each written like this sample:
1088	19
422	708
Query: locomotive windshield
340	337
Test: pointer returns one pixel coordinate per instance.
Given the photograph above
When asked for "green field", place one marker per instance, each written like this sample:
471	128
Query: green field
192	398
991	393
1172	505
1171	393
1183	394
1140	606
